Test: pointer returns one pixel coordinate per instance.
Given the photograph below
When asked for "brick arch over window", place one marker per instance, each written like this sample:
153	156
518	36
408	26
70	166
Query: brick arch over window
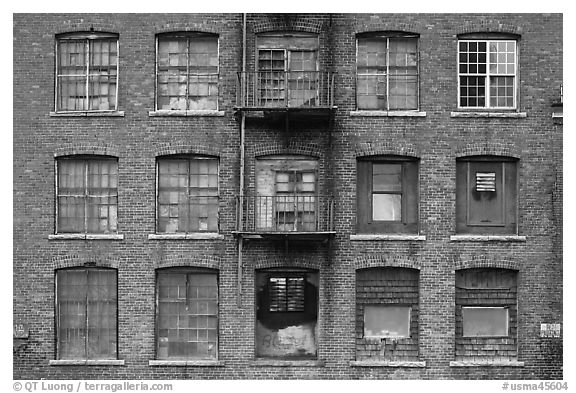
314	262
167	149
287	22
386	148
82	26
386	260
488	148
385	27
204	261
188	26
488	26
87	149
83	259
295	148
486	261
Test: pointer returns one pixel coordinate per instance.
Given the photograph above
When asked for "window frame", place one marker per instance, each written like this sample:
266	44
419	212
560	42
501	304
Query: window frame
489	38
87	37
509	167
57	315
189	158
387	36
86	159
505	308
410	202
389	305
187	271
189	36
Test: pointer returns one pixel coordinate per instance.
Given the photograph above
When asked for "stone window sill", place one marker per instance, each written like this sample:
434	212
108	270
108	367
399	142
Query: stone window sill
198	113
85	236
80	362
486	363
186	236
487	238
186	363
489	114
88	114
398	363
386	237
361	113
288	363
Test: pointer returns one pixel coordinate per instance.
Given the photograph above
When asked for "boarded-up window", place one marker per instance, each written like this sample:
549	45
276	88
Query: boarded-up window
485	321
387	72
387	195
86	309
187	194
287	313
486	313
386	321
187	72
87	72
87	195
187	314
486	195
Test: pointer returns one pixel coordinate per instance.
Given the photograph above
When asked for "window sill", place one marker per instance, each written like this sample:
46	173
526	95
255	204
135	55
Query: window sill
186	236
398	363
82	236
162	113
487	238
88	114
489	114
385	237
361	113
288	363
486	363
186	363
79	362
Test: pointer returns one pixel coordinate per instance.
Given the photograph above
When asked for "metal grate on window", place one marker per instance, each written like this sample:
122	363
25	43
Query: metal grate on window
286	294
485	181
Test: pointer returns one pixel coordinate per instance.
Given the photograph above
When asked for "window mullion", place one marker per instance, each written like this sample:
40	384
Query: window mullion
86	195
187	72
87	104
387	74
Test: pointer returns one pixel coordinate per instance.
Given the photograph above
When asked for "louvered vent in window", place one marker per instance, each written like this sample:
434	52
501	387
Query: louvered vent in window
286	294
485	181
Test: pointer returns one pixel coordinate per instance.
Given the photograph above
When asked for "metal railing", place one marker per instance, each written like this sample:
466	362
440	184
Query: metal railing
285	213
285	89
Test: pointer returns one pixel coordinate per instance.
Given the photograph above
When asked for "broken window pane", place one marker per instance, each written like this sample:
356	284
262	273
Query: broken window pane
187	314
187	72
386	321
87	193
187	195
87	71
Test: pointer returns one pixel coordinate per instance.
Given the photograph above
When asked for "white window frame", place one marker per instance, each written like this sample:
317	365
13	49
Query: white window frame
487	75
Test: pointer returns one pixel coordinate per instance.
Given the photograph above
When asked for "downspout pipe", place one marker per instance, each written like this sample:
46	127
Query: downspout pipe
242	160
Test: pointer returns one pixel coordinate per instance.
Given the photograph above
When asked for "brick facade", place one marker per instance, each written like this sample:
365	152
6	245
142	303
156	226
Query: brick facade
436	137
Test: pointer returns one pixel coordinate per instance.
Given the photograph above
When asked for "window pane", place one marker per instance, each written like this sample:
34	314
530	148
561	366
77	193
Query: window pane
71	318
101	310
187	315
386	207
485	321
386	321
387	177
